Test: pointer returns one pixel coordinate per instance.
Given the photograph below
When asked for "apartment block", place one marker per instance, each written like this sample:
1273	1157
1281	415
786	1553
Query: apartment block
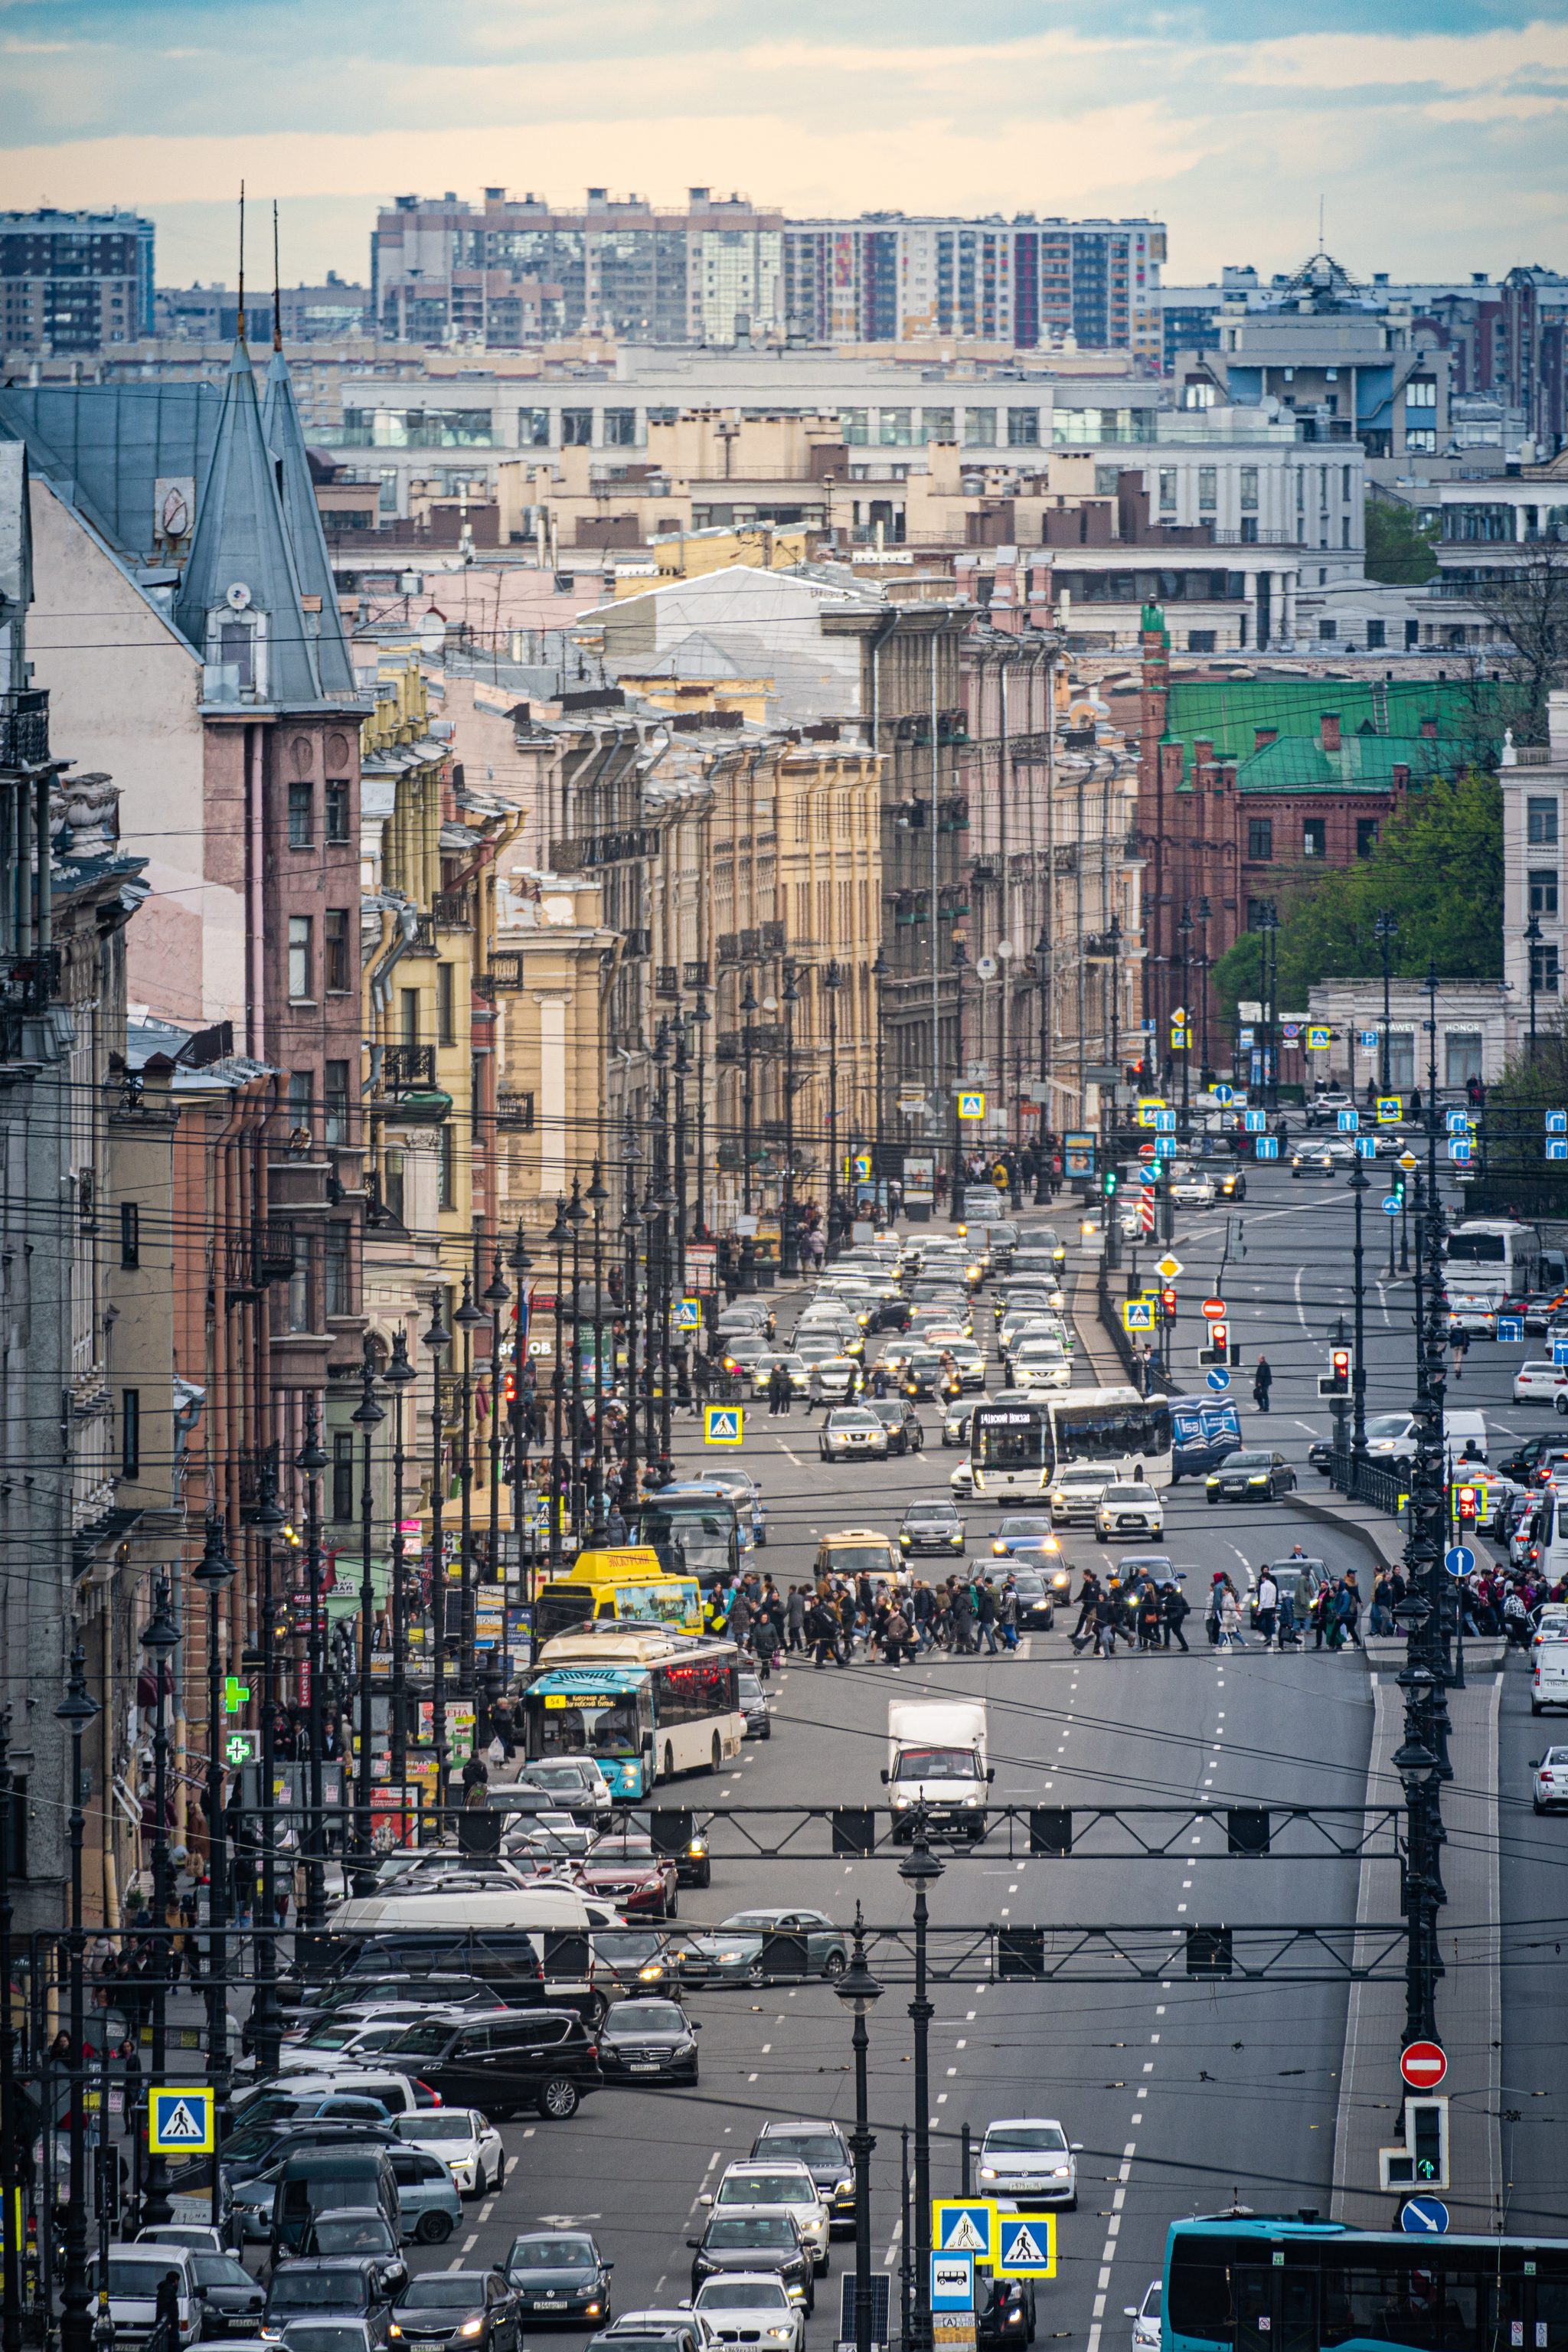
71	282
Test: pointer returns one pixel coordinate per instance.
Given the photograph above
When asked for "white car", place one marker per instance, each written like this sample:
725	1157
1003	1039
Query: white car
1041	1363
1551	1780
759	2187
1193	1190
1145	2318
1551	1624
850	1431
1473	1310
1029	2156
1075	1491
749	2307
1133	1510
660	2323
351	2040
467	2143
1538	1382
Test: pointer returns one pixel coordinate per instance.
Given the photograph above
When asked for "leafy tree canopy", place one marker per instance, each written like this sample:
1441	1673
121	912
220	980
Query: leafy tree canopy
1398	551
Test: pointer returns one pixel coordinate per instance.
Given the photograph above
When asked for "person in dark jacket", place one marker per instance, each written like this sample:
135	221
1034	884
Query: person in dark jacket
1262	1382
1175	1608
1088	1593
963	1621
985	1611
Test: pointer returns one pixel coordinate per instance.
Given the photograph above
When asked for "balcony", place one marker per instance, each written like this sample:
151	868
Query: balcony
667	979
694	975
505	973
574	853
728	947
453	910
515	1112
25	728
403	1067
772	939
26	985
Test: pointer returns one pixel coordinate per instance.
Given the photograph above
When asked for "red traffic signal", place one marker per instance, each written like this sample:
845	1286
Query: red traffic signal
1168	1304
1465	1503
1219	1340
508	1387
1340	1365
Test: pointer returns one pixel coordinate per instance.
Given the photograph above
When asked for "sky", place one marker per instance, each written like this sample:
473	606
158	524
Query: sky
1431	133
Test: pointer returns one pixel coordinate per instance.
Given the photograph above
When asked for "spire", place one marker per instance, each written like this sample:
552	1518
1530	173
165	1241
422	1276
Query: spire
285	439
239	599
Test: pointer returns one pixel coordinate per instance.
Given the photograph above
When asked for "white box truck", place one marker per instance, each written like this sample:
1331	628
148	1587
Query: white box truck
936	1759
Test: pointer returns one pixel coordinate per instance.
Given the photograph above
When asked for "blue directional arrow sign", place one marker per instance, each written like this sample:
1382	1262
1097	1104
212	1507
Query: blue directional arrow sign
1424	2217
1459	1560
1349	1120
1510	1329
1267	1147
1219	1382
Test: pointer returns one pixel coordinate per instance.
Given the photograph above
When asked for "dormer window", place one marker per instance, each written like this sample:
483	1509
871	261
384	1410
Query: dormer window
237	645
235	653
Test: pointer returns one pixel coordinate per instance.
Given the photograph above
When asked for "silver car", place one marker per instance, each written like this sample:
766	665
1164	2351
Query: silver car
1029	2159
733	1953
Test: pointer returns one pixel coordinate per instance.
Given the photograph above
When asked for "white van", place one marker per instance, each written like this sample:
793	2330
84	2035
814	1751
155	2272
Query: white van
1549	1683
1391	1438
134	2275
472	1924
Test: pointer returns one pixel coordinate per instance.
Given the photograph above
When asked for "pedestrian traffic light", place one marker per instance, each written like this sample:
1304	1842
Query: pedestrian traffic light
1167	1305
1467	1506
1338	1383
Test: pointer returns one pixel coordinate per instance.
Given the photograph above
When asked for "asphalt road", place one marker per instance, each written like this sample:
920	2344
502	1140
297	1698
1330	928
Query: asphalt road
1185	2094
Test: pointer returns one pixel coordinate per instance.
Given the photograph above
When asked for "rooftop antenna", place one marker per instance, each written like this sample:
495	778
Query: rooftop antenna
277	302
1319	224
242	261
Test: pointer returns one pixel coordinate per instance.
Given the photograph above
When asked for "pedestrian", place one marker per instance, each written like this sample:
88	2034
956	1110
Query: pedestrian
1381	1622
922	1608
1088	1593
986	1614
766	1640
1215	1611
1149	1616
1461	1344
1352	1608
1262	1382
1008	1617
778	1391
897	1638
1267	1607
1176	1609
1230	1619
739	1624
1107	1614
965	1641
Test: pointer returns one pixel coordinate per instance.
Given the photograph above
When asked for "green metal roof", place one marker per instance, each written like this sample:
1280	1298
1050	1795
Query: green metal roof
1229	712
1363	764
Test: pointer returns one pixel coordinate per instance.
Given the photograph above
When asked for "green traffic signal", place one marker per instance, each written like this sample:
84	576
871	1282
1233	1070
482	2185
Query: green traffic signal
1109	1180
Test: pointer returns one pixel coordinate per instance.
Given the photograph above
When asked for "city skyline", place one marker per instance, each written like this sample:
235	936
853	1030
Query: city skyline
1433	147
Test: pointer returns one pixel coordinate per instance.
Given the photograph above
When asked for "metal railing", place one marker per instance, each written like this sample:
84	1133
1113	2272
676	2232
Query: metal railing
23	727
1360	1482
453	910
408	1065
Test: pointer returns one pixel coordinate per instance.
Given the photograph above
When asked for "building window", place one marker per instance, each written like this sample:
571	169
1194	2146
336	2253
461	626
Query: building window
298	957
130	1232
1366	835
1377	636
1344	531
446	1011
1107	480
1208	489
533	428
236	649
1421	392
1328	630
337	813
342	1473
299	1316
1542	890
1543	968
895	427
300	1088
852	425
1345	485
1542	816
980	428
1167	490
1314	836
335	1270
335	941
1200	641
1250	490
302	815
1462	1056
335	1105
1401	1061
409	1015
576	428
446	1167
1023	429
1260	838
131	1433
937	424
392	1186
620	428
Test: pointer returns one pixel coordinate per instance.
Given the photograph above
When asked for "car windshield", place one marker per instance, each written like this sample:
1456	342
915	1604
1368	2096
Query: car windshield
1387	1425
136	2282
1555	1755
451	2124
807	2147
853	1419
308	2335
439	2291
643	2017
333	2037
627	1944
304	2288
919	1511
936	1764
1248	1462
1028	1588
1025	1527
749	1923
717	2296
566	1777
1080	1476
767	2188
1115	1495
552	2254
416	2042
359	2233
1025	2139
752	2230
850	1560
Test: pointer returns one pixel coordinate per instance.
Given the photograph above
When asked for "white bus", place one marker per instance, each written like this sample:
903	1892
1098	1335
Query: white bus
1493	1255
1016	1448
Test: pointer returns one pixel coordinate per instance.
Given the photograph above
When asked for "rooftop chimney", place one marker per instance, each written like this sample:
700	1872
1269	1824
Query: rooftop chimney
1429	729
1261	735
1330	736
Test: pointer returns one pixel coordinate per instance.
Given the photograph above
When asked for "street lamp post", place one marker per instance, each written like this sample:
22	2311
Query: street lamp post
76	1711
1042	1160
161	1638
522	1532
858	1989
468	1318
631	1226
701	1017
436	1341
367	1417
214	1572
1533	937
311	1461
788	1243
1205	916
1185	933
264	1522
559	1235
1269	927
955	1188
496	1296
576	1218
1358	1186
10	2250
879	973
598	1192
399	1373
748	1006
833	981
1384	930
921	1870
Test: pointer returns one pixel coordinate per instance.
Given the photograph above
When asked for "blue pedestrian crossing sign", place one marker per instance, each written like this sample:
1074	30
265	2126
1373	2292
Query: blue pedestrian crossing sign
964	2225
723	1424
180	2122
1389	1110
689	1315
1218	1380
971	1106
1026	2245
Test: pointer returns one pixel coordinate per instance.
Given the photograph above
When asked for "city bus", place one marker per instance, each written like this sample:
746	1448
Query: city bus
624	1583
1496	1256
1260	2283
644	1705
696	1531
1016	1446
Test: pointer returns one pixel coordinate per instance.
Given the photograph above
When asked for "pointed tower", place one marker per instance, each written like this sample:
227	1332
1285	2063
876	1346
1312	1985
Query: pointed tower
239	603
285	439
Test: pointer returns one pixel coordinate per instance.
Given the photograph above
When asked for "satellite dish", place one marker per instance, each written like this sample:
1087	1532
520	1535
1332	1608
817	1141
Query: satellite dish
236	597
986	967
1004	948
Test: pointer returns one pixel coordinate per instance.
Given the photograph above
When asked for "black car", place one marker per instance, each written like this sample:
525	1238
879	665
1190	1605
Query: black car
755	2241
825	2152
1006	2313
901	1422
1231	1186
473	2308
347	2287
1320	1455
648	2040
558	2274
925	1375
232	2301
1523	1464
254	2147
543	2058
753	1701
1036	1601
1250	1476
693	1864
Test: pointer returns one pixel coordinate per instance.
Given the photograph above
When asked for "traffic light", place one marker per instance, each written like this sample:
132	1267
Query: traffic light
1396	1188
1338	1383
1107	1182
1467	1506
1167	1305
508	1387
1218	1349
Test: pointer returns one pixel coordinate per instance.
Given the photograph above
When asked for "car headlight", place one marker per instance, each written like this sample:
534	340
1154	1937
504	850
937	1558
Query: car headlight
471	2327
972	1800
989	2172
900	1805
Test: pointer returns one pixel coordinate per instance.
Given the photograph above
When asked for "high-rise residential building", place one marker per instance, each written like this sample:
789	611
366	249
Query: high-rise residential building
73	281
1029	282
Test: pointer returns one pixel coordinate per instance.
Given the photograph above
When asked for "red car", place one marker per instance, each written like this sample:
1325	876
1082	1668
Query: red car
625	1870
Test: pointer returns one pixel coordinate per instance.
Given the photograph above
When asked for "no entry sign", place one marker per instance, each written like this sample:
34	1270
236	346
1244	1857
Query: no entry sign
1424	2065
1215	1309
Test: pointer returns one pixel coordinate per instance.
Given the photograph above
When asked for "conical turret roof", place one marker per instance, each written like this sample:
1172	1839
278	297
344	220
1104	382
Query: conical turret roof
284	437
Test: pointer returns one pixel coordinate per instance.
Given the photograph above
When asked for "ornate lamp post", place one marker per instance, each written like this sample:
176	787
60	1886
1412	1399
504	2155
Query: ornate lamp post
879	973
367	1418
160	1637
437	1339
467	1319
1385	930
833	981
631	1226
1185	933
522	1532
1533	937
701	1017
788	1260
264	1522
576	1218
559	1235
1358	1186
214	1572
858	1990
496	1297
311	1461
1206	916
748	1006
921	1870
1042	1164
597	1193
76	1711
955	1190
1268	926
398	1374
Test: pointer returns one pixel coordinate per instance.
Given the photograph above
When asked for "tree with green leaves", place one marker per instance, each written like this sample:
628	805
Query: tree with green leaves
1398	549
1437	869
